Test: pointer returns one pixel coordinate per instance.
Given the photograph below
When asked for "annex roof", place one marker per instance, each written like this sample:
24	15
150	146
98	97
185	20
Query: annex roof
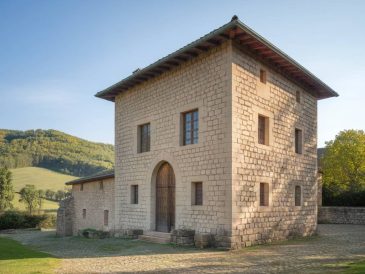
96	177
235	30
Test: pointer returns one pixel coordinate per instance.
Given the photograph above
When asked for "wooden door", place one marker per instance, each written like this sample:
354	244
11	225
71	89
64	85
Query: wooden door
165	198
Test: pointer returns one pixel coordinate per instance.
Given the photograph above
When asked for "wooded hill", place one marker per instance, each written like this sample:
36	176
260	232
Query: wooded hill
54	150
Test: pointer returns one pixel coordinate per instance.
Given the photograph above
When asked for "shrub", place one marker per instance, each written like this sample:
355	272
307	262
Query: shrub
48	222
14	220
91	233
11	220
346	198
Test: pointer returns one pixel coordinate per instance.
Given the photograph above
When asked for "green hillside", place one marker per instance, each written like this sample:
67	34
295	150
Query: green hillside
54	150
40	177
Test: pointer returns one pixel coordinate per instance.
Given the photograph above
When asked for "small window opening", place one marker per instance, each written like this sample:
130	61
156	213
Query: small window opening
197	196
298	141
264	194
298	196
134	194
263	76
106	217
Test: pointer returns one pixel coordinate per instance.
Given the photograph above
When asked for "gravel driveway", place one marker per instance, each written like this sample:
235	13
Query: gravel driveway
334	244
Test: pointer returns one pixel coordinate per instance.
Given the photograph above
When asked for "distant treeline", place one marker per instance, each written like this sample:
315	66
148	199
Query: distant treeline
54	150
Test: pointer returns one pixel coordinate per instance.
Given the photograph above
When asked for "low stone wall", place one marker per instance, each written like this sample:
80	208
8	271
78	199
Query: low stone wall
65	217
341	215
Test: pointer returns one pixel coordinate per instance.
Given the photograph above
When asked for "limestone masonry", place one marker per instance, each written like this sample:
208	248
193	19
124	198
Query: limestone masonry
241	170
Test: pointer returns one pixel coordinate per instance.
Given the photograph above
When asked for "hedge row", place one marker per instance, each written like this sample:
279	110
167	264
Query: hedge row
14	219
355	199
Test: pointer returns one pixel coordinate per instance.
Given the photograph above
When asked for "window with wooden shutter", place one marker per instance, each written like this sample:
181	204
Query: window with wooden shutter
298	141
191	127
197	193
263	130
298	196
134	194
264	194
106	217
144	138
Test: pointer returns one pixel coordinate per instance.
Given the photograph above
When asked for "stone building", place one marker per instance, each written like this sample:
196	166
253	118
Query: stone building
219	137
91	205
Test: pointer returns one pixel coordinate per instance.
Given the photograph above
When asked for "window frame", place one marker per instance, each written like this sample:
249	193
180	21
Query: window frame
134	194
263	76
298	196
298	141
266	133
194	125
142	135
264	188
197	200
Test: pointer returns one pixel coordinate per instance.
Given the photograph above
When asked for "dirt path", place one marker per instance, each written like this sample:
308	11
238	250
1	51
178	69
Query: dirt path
335	244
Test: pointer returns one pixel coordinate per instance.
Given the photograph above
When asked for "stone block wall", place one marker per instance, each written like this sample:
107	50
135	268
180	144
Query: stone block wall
223	84
202	83
276	163
95	200
65	217
341	215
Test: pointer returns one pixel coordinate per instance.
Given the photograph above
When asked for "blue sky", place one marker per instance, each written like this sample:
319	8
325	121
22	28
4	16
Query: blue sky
55	55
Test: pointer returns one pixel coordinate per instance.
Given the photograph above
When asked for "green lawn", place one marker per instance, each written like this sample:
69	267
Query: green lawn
16	258
355	268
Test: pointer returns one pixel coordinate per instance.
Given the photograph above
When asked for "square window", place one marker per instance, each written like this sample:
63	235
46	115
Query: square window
197	195
190	127
297	96
134	194
106	217
263	76
144	135
298	196
298	141
264	194
84	213
263	130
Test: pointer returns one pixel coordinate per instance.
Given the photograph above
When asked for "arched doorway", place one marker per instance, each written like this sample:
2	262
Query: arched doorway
165	198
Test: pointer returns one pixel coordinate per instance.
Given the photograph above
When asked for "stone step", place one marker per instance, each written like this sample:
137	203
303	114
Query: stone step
155	237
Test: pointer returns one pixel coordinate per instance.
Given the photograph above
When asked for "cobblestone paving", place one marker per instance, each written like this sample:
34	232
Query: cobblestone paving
334	244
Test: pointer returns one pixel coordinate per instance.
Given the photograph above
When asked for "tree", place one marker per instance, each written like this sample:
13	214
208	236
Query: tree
343	162
40	198
30	196
6	189
50	194
60	194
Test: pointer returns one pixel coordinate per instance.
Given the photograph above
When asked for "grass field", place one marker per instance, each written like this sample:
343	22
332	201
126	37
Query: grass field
16	258
42	179
46	206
